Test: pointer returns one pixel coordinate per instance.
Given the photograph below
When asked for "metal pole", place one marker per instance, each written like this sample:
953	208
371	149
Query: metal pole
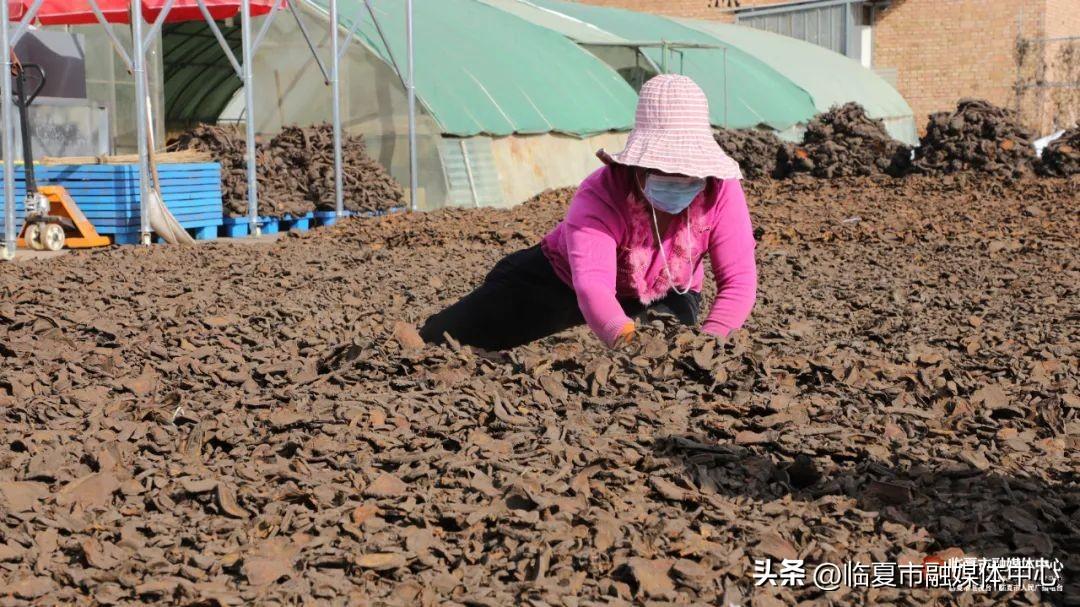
847	42
155	27
8	139
335	95
104	23
413	178
267	22
225	48
307	39
469	173
249	121
382	37
139	63
24	23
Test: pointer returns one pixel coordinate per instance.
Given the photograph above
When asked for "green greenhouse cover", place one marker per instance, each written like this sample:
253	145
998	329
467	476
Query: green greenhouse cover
830	78
574	29
480	70
756	93
199	82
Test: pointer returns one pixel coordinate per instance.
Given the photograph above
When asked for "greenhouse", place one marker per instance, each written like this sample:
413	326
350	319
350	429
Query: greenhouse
753	78
480	110
830	78
743	91
490	119
514	96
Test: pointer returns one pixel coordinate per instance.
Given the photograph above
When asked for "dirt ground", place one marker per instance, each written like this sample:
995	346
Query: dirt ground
228	424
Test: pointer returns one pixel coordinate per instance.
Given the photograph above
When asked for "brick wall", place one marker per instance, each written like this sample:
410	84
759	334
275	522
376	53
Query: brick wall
1062	18
1060	106
944	50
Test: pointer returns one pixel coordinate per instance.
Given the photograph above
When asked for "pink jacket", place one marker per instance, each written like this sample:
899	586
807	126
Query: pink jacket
606	248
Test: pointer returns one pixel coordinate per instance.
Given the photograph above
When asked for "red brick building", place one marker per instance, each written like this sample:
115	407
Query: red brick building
1022	54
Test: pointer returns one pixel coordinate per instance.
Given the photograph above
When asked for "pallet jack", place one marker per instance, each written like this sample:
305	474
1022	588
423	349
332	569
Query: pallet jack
52	219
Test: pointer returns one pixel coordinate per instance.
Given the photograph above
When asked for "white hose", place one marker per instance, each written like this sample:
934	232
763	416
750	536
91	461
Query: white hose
161	220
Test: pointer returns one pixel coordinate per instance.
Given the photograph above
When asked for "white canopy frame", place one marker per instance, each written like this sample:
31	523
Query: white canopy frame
8	39
136	63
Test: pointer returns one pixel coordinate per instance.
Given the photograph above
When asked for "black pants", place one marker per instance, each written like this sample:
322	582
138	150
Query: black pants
522	300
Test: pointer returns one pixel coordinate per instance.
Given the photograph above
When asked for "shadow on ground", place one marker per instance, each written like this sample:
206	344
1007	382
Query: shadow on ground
983	513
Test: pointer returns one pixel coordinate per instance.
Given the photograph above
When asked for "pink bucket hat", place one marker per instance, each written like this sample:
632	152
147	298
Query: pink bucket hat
672	132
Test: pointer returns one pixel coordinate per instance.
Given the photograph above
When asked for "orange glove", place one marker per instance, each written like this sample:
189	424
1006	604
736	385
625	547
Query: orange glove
626	335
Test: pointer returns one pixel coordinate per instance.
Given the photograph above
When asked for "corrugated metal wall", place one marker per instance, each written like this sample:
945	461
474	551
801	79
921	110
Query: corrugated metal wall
824	26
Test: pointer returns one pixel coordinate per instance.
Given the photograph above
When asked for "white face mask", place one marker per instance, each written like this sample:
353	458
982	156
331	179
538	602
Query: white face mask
672	193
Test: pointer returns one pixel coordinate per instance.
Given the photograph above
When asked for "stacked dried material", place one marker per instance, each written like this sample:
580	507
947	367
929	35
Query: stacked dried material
284	181
845	142
754	149
977	136
258	423
1062	157
295	171
226	146
367	185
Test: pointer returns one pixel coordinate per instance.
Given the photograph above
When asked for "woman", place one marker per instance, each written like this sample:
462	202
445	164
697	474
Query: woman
633	239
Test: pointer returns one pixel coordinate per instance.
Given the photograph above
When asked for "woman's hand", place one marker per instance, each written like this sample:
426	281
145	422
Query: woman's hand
626	335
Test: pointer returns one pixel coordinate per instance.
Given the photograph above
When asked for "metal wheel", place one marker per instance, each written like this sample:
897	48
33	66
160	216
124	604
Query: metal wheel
53	237
33	236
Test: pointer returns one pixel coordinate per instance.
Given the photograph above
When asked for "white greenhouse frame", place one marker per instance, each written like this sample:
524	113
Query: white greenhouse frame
136	62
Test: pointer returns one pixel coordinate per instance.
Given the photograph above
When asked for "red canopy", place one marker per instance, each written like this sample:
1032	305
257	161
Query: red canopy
78	12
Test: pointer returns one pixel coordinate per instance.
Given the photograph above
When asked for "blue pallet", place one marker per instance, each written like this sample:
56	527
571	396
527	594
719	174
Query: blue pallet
132	189
177	206
90	179
209	232
109	195
134	227
236	227
124	214
126	171
187	221
236	230
290	222
173	202
325	218
329	218
127	216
